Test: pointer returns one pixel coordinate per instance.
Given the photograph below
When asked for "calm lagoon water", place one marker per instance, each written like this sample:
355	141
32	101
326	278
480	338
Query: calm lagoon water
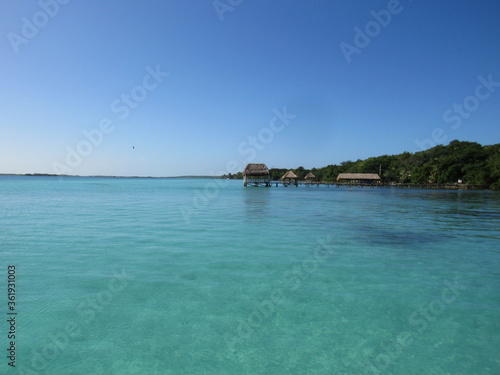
183	276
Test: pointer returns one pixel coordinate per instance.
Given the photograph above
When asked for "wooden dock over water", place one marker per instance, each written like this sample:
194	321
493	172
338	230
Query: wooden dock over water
327	184
256	174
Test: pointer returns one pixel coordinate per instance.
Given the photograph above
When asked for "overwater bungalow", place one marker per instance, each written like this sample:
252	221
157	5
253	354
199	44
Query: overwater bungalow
359	178
310	178
288	177
256	174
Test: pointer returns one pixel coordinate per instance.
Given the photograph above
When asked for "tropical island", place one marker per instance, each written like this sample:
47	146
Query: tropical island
459	162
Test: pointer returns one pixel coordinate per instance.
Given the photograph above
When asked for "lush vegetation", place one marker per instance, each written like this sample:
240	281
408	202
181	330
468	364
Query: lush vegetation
470	162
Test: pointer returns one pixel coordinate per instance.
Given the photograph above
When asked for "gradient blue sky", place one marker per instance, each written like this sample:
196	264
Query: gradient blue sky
227	76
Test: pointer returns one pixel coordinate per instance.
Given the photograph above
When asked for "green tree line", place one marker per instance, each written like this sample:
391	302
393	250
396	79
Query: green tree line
469	162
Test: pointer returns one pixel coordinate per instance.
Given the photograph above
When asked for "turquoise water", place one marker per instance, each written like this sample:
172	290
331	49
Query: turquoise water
185	276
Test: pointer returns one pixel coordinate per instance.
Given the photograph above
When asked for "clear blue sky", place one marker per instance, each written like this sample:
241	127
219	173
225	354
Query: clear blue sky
229	71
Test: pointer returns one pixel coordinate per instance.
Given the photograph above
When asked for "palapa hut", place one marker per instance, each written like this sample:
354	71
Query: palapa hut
288	177
256	174
358	178
310	178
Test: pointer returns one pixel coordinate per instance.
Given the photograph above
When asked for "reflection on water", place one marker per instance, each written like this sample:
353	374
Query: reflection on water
256	202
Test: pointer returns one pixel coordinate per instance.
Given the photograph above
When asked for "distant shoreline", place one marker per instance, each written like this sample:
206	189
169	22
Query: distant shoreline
99	176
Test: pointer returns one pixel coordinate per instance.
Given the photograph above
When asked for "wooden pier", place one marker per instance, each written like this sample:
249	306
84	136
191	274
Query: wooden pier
309	184
259	174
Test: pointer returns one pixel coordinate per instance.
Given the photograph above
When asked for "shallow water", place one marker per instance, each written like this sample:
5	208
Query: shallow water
194	276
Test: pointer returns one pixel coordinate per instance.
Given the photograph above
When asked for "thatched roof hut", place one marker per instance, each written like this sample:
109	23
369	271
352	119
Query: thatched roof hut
289	175
256	174
310	176
366	178
256	170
